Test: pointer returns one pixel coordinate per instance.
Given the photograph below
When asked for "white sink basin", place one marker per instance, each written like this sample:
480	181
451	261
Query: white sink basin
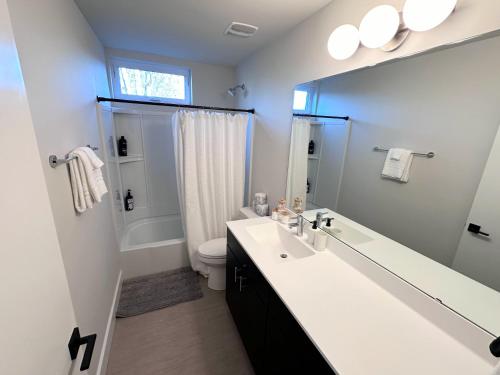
283	244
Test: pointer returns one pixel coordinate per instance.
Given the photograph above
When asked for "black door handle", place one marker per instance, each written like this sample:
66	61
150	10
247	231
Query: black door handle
74	344
476	229
495	347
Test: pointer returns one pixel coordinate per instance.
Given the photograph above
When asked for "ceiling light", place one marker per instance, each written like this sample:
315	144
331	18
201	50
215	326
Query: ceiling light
423	15
379	26
343	42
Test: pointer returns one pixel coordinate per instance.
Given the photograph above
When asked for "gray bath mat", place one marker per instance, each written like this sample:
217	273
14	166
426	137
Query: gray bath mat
152	292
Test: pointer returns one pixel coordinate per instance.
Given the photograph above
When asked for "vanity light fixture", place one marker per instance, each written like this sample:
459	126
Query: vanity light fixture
423	15
343	42
385	28
379	26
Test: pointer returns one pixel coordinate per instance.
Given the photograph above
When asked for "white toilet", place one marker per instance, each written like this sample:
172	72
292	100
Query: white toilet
213	254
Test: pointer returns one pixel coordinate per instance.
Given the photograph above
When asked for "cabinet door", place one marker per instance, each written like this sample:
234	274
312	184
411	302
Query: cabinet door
248	310
233	295
288	349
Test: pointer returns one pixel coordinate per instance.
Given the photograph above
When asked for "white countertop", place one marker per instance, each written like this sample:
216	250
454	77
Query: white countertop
470	298
359	327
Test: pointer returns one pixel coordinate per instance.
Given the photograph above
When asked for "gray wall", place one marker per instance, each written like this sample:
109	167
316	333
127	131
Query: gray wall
301	56
446	102
63	66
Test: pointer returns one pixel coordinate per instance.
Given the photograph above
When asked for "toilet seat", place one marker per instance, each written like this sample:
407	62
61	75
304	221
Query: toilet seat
213	249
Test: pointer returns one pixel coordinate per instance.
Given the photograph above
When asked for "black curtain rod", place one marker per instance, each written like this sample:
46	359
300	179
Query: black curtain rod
320	116
101	99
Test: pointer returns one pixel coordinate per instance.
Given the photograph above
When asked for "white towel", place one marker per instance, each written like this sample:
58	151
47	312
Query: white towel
92	167
397	164
87	182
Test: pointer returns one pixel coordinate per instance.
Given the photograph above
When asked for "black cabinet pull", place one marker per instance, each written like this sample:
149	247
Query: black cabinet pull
236	270
74	344
242	286
495	347
476	229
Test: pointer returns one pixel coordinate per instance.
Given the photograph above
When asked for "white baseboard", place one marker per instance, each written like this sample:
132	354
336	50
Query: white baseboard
110	328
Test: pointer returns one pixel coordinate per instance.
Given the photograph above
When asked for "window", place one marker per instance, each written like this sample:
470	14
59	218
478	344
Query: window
303	97
300	100
139	80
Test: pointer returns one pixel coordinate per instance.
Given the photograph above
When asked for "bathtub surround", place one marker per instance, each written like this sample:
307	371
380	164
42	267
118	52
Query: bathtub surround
210	166
63	65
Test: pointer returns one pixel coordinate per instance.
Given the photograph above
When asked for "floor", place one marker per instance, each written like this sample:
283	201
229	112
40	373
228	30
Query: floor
192	338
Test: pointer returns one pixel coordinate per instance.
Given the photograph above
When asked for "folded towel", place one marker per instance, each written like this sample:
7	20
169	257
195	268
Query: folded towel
92	165
79	186
87	182
397	164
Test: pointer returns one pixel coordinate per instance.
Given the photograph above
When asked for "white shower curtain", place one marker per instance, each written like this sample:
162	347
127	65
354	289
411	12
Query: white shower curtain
297	162
210	165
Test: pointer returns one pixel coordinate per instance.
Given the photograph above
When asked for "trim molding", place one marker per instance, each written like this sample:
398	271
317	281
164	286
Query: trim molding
110	328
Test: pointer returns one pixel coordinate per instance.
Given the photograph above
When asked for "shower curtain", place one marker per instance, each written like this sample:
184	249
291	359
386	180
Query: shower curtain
210	165
297	162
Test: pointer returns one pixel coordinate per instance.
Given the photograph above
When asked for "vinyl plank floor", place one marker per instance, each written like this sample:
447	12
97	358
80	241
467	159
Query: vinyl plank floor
193	338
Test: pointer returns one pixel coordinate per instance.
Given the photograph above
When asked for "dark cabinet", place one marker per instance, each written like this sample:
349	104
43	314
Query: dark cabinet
275	342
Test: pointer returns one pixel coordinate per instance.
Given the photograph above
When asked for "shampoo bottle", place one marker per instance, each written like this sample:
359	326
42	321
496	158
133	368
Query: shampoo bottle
129	201
122	146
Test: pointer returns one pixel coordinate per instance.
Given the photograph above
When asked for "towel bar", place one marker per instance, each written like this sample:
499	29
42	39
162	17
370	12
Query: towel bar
54	161
427	155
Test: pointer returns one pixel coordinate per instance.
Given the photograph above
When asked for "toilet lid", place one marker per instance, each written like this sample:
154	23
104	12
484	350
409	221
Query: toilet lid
213	248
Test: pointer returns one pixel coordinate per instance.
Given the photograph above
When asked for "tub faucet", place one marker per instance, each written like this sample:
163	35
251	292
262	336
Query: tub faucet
299	224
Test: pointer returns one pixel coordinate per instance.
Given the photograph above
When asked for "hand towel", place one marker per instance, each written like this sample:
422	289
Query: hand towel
79	187
92	167
397	164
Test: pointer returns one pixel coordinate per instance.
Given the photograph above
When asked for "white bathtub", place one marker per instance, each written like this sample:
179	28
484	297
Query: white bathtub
153	245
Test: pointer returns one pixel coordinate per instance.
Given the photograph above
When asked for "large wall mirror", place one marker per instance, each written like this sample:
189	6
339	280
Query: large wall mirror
412	179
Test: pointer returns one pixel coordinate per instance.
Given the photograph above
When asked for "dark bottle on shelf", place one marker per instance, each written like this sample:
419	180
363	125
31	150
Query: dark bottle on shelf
311	147
122	146
129	201
308	187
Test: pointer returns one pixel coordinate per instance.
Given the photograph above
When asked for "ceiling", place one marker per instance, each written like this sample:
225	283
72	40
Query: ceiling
193	29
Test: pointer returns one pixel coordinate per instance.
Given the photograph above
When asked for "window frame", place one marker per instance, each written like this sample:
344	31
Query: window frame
117	62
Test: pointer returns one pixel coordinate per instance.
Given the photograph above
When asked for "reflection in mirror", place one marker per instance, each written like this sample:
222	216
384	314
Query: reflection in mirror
433	219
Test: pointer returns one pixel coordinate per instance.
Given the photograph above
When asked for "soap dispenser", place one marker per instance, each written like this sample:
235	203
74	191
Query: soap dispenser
311	232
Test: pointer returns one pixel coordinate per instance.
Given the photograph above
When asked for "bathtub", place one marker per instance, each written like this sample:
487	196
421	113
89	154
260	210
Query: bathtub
153	245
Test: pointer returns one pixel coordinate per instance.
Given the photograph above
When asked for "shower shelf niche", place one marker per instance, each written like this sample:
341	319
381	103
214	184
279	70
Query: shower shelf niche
130	159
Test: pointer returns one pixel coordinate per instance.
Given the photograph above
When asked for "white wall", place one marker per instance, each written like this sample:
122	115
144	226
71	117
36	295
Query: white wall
63	65
209	82
301	56
36	317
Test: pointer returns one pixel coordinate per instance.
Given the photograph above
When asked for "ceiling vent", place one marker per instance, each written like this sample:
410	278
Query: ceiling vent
242	30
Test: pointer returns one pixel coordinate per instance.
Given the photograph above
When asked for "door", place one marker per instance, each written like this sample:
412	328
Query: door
36	314
478	254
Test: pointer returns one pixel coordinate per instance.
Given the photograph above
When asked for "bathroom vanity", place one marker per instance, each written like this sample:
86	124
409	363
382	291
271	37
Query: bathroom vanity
275	342
301	311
